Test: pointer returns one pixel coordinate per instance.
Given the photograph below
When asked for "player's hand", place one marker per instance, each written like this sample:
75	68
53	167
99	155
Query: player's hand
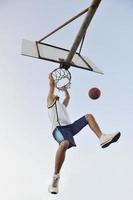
50	76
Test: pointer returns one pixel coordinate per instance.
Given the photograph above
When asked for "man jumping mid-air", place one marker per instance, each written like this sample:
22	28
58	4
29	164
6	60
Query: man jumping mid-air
64	131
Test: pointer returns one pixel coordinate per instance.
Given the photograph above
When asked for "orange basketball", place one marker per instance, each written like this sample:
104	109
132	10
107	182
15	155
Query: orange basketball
94	93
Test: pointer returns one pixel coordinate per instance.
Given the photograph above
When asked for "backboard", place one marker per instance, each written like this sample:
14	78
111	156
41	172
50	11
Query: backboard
56	54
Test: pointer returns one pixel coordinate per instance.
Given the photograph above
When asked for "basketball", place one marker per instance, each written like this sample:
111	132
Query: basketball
94	93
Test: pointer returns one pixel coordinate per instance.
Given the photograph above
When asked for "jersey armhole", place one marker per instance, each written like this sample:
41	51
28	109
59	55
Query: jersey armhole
52	104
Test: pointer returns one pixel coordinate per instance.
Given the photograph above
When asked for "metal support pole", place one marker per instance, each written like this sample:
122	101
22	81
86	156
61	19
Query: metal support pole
67	22
91	11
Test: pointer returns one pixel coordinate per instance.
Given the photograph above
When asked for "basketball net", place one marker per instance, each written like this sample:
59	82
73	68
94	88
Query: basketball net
62	78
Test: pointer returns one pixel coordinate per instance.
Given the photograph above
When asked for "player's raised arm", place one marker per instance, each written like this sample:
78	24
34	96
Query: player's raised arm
51	95
67	98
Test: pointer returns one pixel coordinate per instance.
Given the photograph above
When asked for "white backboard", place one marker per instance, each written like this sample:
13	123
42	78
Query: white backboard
56	54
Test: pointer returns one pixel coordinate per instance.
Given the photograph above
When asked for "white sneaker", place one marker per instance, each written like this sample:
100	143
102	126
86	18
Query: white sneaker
53	188
106	140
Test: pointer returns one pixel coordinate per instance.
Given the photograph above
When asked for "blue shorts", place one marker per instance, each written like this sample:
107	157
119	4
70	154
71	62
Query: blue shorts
67	132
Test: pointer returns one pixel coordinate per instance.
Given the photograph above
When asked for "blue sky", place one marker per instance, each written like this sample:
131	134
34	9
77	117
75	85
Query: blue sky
26	146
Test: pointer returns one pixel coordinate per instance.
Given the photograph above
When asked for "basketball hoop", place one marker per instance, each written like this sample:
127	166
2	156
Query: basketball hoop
65	57
62	78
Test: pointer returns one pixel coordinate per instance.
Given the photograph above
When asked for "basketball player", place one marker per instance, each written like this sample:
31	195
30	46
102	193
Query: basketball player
63	130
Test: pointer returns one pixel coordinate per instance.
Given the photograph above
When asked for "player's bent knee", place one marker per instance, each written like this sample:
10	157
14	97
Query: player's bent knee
64	144
89	116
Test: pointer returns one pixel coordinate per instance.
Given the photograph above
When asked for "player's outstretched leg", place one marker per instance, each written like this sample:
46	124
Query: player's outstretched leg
105	139
59	159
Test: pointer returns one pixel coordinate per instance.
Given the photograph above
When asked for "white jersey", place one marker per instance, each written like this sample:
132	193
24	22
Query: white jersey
58	114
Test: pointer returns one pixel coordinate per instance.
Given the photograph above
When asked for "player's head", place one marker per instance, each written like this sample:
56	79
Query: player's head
57	97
